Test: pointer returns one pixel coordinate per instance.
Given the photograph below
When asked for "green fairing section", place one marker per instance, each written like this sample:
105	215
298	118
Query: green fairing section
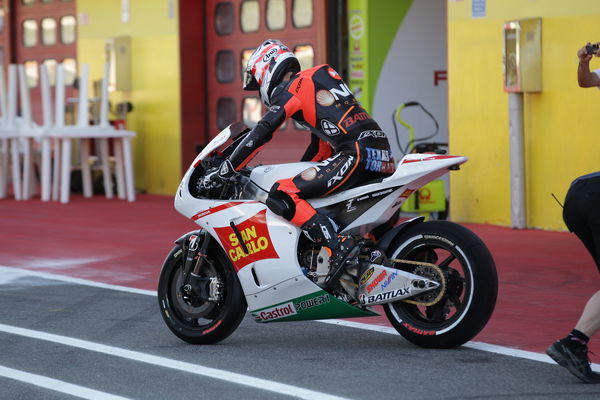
330	307
385	18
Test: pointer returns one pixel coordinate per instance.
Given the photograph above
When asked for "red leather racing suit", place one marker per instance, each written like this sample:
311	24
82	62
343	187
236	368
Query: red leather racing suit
350	145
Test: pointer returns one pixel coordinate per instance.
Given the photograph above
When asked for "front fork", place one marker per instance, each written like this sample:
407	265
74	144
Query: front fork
207	288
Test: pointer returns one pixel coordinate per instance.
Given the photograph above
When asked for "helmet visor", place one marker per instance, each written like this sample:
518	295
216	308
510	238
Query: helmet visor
250	82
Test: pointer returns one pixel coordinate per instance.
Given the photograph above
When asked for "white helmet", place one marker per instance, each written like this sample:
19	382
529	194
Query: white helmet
267	66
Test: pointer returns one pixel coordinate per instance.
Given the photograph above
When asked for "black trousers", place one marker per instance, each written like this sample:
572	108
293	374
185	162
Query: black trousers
581	212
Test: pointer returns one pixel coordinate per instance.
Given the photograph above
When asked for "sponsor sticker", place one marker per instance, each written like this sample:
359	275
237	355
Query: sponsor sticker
342	171
329	128
310	303
383	192
440	238
379	160
367	275
269	54
299	85
351	120
375	255
368	299
374	134
281	311
417	330
333	73
407	193
376	281
309	174
350	205
343	91
325	98
255	235
212	328
386	282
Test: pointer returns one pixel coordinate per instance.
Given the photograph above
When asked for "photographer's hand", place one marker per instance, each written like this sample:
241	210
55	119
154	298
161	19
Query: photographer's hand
585	77
583	55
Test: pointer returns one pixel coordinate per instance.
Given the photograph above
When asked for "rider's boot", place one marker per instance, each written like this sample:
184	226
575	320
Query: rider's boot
345	256
343	249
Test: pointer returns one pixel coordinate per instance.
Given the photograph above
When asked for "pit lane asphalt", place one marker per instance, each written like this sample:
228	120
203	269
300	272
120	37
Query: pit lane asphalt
334	360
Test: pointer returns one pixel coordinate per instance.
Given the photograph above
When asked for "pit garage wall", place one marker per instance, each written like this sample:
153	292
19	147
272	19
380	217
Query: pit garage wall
398	53
153	28
562	139
414	69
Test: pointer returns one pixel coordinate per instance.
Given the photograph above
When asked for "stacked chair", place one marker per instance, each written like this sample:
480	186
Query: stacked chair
9	136
56	138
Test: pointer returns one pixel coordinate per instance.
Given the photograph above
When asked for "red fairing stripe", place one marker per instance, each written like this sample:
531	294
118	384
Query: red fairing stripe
216	209
429	159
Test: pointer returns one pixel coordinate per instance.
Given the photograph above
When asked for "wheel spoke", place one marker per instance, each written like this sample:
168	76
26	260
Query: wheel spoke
447	261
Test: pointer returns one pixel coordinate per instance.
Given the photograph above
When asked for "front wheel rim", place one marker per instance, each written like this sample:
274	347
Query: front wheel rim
190	311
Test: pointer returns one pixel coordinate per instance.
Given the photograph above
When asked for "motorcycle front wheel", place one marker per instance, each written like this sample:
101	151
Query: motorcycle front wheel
467	298
189	316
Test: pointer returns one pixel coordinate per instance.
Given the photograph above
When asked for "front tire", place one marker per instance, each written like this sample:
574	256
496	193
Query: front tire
470	290
191	318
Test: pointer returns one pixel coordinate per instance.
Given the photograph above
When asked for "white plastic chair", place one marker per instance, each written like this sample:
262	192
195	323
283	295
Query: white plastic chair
64	134
9	135
29	132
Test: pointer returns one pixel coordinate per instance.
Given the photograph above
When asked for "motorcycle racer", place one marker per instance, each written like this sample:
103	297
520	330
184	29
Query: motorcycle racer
347	143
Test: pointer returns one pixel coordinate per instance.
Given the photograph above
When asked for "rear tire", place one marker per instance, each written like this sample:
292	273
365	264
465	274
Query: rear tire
192	319
469	294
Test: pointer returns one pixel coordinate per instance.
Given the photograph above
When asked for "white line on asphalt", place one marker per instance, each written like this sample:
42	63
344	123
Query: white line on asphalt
10	273
228	376
492	348
56	385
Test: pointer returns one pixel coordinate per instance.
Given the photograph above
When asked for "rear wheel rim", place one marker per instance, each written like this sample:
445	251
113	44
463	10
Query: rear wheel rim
458	292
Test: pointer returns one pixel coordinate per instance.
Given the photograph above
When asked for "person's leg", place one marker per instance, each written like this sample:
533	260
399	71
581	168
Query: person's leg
584	221
589	322
334	174
582	217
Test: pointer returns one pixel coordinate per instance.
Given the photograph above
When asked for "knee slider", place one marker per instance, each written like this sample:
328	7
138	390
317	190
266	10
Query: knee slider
281	203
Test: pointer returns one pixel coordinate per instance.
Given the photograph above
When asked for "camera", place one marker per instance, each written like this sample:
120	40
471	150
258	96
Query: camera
591	49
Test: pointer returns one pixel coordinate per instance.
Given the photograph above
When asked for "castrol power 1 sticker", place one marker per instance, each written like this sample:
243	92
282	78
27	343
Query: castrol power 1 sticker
254	234
280	311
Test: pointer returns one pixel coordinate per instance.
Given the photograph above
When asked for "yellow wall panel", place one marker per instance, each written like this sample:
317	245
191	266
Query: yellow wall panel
477	121
155	82
561	140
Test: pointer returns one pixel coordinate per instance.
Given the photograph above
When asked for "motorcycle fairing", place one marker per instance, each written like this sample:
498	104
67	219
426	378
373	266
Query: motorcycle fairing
352	212
218	208
270	240
264	282
213	145
316	305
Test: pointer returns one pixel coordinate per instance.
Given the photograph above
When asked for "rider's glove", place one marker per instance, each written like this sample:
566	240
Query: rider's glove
217	177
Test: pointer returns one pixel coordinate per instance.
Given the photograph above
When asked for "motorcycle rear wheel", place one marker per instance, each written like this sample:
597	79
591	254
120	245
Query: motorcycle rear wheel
470	289
191	319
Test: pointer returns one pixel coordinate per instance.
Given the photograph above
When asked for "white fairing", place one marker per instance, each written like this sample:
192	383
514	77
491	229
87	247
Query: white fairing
270	272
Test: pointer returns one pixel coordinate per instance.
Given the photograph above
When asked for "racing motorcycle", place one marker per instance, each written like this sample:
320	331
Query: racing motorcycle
436	281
